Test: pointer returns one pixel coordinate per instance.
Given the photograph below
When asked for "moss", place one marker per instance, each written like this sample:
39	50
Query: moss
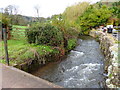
110	76
97	38
117	42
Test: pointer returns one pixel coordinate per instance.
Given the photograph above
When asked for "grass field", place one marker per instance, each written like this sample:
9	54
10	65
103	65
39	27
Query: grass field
18	32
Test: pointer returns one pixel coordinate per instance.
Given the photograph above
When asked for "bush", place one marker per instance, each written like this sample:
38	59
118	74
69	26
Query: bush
44	34
71	44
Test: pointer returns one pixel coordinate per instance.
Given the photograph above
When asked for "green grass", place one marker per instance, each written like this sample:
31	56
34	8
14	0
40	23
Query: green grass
20	51
18	32
17	26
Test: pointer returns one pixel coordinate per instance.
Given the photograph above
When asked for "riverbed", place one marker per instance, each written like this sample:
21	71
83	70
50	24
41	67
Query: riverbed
83	67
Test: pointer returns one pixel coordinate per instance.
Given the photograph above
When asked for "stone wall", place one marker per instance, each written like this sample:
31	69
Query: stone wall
109	47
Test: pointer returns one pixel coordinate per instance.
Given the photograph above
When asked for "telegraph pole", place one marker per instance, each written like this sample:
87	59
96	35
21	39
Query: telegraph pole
5	44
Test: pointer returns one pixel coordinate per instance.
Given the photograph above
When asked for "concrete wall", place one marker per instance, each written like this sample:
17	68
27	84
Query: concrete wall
15	78
109	47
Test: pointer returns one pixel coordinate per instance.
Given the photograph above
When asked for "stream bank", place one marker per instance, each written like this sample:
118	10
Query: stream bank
83	67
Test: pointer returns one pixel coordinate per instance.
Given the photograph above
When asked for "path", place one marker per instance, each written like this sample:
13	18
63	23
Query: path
14	78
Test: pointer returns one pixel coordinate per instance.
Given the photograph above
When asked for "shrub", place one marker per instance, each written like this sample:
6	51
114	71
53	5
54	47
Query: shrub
44	34
71	44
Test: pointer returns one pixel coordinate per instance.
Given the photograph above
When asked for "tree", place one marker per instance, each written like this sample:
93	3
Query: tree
94	17
70	16
73	12
5	18
10	9
11	12
37	7
16	17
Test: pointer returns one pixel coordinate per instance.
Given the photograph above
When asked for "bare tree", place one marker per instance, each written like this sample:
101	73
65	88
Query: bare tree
16	10
10	9
37	8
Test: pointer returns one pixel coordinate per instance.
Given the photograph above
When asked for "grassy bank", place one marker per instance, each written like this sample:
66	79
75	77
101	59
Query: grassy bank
20	51
23	54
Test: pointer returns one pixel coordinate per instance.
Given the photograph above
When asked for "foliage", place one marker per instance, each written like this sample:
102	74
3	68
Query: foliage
67	21
115	8
116	13
71	44
69	31
70	16
4	18
73	12
44	34
94	17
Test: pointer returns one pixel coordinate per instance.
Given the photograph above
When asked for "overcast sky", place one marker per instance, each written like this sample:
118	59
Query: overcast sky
47	7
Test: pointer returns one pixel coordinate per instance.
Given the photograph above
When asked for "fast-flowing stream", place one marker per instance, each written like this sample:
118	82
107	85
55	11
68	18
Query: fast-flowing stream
83	67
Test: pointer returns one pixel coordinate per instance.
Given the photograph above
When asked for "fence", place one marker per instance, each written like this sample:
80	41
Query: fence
18	32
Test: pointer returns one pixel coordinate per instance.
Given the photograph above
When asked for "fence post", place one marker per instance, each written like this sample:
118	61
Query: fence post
5	45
